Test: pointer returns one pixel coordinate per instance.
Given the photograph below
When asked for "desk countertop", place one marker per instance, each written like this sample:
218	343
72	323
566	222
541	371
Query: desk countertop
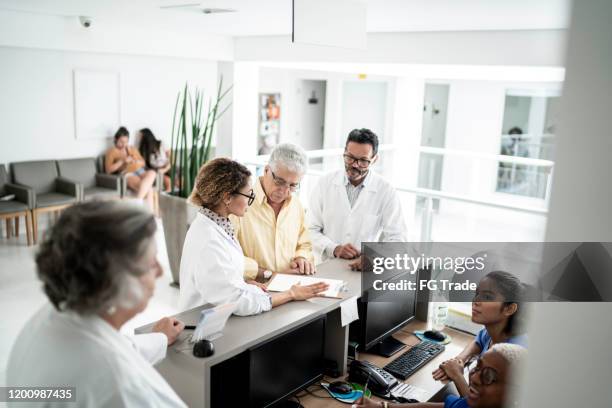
240	333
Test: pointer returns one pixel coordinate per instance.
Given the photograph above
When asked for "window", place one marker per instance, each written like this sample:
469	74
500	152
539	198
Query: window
527	132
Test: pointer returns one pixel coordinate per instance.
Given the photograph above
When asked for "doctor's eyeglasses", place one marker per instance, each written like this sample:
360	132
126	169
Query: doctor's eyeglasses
250	196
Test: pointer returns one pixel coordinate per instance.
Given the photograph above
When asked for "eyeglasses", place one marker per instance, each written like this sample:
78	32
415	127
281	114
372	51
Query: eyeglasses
348	159
280	182
488	375
250	196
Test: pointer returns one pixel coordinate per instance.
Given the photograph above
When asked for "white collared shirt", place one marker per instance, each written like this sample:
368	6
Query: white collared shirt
212	267
107	369
376	215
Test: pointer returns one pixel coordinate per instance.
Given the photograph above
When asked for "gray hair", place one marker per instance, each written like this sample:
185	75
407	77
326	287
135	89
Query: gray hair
91	260
291	156
512	353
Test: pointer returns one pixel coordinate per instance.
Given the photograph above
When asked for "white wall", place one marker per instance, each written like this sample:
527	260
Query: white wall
579	211
365	106
37	104
518	48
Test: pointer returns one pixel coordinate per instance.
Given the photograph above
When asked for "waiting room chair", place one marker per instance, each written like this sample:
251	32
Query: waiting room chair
51	192
18	206
93	184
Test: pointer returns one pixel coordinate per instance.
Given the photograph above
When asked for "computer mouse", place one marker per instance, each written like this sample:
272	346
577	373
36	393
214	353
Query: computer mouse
203	348
340	387
434	335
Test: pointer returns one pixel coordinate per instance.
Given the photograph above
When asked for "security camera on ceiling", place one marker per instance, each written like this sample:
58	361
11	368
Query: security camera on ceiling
86	21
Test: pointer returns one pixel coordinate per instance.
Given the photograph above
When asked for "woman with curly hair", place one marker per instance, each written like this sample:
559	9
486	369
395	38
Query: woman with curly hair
212	262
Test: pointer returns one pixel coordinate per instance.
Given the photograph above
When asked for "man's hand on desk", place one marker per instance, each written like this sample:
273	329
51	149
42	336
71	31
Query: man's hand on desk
302	266
356	264
169	326
346	251
299	292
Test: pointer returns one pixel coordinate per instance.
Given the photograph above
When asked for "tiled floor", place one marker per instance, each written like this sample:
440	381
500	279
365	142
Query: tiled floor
21	295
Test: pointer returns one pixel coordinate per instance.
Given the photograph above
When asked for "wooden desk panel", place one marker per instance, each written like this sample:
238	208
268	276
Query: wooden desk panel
422	378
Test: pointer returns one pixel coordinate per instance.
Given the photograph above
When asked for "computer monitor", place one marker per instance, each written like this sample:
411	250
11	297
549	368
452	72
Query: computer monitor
378	320
283	366
268	373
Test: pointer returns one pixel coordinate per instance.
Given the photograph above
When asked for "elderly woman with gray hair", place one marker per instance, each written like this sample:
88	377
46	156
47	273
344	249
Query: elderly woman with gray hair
98	268
273	234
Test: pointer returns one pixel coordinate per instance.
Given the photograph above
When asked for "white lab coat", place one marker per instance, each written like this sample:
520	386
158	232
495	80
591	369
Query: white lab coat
377	215
212	267
66	349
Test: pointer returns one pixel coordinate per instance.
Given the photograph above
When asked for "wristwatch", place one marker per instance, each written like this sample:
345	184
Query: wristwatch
267	274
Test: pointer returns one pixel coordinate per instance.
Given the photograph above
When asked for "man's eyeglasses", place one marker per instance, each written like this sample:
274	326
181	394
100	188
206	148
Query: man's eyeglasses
250	196
348	159
488	375
280	182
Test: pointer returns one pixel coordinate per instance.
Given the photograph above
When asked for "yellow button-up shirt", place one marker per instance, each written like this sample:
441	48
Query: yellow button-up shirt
269	242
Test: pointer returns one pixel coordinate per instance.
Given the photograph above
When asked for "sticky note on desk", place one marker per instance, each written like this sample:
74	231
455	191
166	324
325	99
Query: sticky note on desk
348	311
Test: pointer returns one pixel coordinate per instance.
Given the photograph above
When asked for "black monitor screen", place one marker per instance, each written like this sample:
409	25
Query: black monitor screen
384	318
286	364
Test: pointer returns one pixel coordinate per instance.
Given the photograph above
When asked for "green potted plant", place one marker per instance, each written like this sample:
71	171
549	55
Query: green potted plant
193	125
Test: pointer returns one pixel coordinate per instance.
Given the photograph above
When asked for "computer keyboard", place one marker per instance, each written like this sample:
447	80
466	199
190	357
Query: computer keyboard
409	362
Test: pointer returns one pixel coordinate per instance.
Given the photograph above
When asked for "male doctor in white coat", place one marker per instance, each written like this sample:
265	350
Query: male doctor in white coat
354	205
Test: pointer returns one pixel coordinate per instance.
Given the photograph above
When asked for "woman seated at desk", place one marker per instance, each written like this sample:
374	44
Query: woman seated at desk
212	262
491	382
497	306
98	268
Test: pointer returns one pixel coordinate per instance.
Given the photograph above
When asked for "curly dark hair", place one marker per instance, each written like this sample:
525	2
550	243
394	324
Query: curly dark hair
85	260
215	178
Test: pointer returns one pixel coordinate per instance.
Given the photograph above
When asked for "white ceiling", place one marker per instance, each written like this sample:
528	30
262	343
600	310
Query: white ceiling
273	17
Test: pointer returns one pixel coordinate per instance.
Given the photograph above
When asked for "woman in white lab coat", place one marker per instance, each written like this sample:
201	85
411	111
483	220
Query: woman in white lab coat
98	268
212	261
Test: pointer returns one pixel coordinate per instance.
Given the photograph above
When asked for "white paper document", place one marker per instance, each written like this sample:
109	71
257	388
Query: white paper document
282	281
212	321
348	311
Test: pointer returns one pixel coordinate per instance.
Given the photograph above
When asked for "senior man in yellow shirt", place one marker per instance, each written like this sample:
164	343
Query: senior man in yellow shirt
273	233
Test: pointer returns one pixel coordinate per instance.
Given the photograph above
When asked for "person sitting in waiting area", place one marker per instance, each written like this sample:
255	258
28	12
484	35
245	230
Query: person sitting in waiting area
497	306
273	234
491	382
355	205
126	160
98	268
212	262
155	155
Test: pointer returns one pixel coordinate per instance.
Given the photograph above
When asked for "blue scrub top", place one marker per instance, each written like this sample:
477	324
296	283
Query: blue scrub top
484	340
453	401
